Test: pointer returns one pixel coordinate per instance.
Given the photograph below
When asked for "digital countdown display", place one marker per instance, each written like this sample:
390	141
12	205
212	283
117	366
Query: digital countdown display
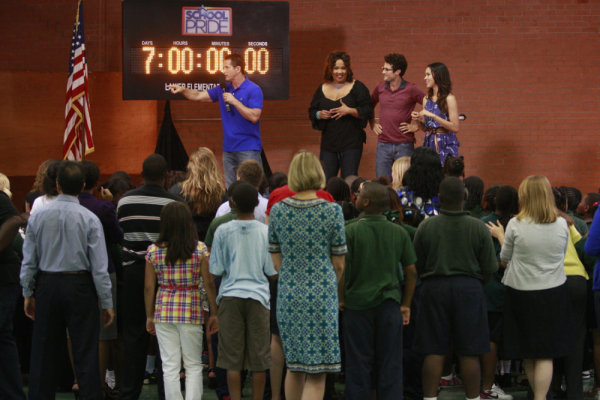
184	42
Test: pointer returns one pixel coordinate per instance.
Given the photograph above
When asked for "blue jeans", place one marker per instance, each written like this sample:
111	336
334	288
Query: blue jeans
231	160
373	343
347	161
387	153
11	384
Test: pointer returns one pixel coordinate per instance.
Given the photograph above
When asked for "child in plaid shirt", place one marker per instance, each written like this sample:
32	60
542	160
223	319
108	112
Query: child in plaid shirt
239	254
179	263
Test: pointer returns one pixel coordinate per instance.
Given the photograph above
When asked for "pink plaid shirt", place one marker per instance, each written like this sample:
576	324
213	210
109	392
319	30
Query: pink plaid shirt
178	300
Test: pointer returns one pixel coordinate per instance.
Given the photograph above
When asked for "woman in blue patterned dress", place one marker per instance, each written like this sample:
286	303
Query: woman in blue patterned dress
308	242
439	116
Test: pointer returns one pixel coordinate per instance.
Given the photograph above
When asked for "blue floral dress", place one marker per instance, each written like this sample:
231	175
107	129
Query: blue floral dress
445	144
427	207
307	233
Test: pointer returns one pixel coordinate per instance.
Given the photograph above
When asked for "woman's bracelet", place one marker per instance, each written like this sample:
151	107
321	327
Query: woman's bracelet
318	115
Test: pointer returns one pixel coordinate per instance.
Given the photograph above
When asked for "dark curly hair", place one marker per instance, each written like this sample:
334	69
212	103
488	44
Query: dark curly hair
330	63
454	166
397	61
425	173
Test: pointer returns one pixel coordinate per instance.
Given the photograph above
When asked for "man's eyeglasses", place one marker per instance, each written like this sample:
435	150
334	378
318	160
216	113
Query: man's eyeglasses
384	69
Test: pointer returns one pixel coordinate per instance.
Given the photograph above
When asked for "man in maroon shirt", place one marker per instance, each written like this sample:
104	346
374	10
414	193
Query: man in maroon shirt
395	130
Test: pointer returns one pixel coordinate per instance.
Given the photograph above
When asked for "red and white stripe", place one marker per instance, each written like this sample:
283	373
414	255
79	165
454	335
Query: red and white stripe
78	131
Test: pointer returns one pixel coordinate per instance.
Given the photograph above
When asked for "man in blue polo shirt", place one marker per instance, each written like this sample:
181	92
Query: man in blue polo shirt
241	104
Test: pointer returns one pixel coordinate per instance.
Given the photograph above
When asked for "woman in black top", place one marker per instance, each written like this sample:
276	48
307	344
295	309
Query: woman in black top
340	109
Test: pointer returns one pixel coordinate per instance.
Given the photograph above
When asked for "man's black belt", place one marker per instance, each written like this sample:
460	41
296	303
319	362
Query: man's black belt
79	272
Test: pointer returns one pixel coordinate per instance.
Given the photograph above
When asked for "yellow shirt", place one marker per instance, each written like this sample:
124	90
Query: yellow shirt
573	265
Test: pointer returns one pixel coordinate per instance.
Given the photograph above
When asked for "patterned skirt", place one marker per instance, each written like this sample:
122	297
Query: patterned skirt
445	144
307	315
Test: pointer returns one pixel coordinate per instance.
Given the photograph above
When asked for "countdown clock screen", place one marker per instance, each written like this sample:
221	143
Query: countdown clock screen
184	42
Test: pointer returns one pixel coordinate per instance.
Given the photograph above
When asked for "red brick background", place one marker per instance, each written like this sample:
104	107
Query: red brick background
526	73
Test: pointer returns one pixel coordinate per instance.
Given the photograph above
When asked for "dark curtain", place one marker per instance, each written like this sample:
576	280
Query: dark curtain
169	144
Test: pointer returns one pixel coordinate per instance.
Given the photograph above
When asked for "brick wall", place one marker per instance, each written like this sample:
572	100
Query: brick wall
524	71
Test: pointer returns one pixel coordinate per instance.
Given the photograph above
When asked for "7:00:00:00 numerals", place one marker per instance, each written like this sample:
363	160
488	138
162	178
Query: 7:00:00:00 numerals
185	60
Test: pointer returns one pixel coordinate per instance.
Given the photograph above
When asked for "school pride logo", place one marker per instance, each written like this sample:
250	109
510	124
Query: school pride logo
207	21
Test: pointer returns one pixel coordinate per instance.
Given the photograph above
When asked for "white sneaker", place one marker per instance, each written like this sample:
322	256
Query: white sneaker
110	378
495	393
497	390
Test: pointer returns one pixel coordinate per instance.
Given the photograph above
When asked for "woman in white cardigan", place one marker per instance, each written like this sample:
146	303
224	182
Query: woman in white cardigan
536	303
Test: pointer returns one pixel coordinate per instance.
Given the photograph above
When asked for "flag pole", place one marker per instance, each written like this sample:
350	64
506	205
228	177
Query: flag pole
82	138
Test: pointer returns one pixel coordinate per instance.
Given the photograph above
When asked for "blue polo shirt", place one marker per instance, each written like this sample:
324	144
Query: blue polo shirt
239	134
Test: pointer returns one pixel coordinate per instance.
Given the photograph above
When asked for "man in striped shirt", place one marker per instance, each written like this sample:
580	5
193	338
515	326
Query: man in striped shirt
138	212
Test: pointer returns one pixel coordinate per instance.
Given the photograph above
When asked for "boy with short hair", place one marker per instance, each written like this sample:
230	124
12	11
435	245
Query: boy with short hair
251	172
239	254
375	309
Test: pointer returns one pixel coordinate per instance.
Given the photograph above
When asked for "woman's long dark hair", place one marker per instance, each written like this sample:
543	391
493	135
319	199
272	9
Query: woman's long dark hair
177	232
474	185
425	174
49	182
441	77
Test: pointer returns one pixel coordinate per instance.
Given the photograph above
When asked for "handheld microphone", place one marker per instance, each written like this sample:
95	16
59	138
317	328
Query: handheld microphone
223	87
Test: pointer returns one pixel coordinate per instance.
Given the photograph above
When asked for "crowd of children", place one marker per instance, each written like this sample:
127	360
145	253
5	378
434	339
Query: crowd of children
386	282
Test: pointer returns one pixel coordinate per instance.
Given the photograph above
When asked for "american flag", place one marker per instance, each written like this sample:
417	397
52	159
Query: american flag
77	112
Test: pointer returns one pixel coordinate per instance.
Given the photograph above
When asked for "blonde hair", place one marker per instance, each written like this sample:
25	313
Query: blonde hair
399	167
203	188
5	185
305	172
536	201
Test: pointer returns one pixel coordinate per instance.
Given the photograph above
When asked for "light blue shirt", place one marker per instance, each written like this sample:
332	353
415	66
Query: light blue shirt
240	254
64	236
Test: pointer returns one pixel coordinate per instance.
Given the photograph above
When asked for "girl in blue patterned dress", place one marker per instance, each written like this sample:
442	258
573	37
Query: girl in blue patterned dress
308	242
439	116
